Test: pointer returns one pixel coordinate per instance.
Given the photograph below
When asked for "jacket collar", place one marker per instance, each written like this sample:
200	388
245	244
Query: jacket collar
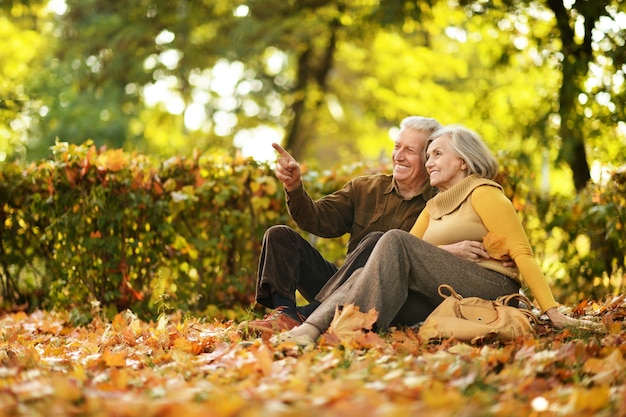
427	190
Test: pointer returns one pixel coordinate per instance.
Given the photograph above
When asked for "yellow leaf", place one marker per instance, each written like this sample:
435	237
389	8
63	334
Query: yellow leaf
65	388
495	245
270	186
592	399
183	344
119	378
264	359
428	331
112	160
438	395
114	359
78	373
188	346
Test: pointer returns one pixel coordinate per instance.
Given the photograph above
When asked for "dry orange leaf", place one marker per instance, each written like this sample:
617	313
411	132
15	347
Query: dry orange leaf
132	368
495	245
350	326
114	359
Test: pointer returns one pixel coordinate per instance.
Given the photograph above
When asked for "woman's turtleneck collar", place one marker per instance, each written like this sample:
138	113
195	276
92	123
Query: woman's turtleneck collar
449	200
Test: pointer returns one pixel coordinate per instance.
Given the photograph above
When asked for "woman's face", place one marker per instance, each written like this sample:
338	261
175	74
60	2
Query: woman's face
443	165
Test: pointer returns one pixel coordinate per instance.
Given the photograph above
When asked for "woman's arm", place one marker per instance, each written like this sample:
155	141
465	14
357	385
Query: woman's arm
499	216
421	224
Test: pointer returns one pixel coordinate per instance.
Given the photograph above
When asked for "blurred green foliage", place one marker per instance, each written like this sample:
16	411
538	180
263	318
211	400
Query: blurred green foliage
96	230
541	79
579	241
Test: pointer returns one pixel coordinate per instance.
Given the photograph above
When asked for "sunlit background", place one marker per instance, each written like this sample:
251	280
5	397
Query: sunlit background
327	83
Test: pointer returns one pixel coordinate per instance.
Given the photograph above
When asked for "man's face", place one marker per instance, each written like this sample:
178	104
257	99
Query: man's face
408	163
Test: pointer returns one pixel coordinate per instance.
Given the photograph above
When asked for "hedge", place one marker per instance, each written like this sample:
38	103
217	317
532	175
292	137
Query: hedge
103	230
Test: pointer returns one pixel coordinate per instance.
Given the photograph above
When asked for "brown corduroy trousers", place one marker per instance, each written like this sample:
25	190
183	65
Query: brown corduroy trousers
288	262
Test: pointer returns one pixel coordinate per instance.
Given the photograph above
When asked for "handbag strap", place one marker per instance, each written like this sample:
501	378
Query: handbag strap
530	315
450	290
506	299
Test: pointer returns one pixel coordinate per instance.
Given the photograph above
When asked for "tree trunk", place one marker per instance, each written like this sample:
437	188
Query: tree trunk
576	59
312	73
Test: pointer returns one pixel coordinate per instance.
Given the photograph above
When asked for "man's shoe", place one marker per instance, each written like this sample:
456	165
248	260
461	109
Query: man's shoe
273	323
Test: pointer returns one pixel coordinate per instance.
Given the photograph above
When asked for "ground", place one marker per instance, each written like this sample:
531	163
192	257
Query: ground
189	366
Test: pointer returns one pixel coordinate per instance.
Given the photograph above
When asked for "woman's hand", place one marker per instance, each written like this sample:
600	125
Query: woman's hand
560	321
468	249
474	251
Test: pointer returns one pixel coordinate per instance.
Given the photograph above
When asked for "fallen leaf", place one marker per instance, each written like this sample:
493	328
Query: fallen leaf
66	388
114	359
590	400
350	326
606	370
495	245
181	365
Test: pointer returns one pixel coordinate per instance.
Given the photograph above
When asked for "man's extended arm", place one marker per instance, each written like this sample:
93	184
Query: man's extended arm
330	216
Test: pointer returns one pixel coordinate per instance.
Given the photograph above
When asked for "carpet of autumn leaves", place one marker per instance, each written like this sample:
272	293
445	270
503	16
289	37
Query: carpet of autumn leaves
189	366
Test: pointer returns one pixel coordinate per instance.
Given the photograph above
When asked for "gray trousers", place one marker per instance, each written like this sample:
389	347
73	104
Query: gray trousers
401	278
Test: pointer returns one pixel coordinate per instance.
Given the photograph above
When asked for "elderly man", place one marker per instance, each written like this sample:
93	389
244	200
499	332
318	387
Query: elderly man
365	207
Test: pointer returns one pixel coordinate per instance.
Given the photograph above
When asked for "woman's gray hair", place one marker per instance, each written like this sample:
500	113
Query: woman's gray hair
425	124
469	146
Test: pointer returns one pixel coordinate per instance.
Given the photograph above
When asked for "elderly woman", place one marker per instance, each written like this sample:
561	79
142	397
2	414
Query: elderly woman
401	278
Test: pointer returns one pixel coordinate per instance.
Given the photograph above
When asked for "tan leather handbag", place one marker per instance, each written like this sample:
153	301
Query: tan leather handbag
473	318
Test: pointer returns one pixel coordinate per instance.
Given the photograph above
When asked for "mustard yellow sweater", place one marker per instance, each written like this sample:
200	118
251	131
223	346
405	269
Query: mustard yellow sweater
468	211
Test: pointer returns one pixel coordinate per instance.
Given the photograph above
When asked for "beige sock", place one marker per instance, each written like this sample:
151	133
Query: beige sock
305	329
